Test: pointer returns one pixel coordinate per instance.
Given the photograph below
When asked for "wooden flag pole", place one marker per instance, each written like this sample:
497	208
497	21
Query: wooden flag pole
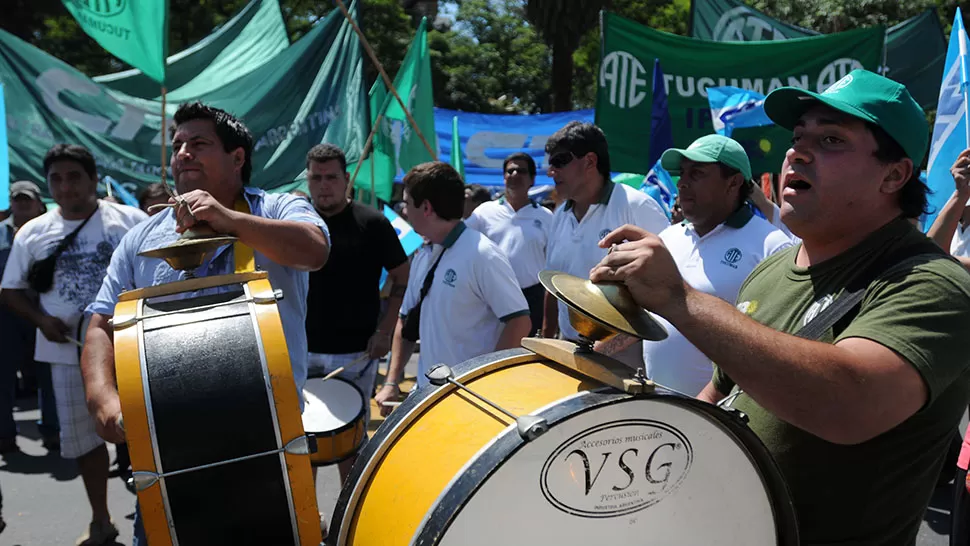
387	79
364	154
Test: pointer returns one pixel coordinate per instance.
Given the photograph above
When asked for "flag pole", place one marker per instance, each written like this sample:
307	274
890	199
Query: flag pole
168	190
365	153
387	79
373	191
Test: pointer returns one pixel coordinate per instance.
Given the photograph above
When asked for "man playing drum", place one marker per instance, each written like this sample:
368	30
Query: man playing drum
859	420
211	163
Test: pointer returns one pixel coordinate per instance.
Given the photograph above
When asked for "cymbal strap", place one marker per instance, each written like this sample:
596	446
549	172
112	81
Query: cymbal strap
245	259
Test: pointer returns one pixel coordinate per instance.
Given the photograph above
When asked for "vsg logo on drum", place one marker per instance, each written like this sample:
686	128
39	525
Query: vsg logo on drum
617	468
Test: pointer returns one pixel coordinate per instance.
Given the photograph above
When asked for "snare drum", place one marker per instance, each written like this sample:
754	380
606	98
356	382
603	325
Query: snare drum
212	415
612	468
333	412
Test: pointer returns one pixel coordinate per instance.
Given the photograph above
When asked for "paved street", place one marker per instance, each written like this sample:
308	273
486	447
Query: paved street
44	502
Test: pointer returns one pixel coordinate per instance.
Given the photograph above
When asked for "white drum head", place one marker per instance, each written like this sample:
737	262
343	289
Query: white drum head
329	405
643	471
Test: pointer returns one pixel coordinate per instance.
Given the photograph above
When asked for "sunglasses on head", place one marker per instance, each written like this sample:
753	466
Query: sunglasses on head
561	159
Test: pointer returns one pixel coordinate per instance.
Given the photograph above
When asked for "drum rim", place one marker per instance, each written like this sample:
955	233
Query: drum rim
352	423
399	419
503	447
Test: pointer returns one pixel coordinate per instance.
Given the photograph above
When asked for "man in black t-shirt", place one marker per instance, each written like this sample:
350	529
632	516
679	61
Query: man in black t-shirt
343	321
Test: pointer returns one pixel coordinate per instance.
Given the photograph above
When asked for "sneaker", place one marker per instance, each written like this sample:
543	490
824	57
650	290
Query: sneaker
98	534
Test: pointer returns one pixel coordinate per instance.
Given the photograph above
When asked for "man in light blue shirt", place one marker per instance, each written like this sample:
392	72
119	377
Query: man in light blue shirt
211	163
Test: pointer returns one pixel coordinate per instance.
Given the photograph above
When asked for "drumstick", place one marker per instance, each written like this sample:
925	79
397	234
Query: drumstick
74	341
337	372
333	373
391	404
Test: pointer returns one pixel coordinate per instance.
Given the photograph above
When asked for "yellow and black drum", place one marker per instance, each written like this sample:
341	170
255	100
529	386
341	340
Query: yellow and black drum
212	416
513	448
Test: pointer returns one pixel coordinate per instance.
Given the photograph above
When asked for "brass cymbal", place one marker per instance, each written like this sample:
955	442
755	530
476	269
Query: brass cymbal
608	305
188	253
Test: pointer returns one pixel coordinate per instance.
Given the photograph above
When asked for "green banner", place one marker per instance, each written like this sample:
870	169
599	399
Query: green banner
690	66
915	49
310	93
134	31
253	36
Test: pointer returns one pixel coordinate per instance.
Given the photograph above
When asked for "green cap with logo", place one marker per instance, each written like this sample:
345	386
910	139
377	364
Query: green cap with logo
864	95
709	149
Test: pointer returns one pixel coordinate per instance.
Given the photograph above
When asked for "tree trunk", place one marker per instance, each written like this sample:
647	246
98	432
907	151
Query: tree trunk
562	79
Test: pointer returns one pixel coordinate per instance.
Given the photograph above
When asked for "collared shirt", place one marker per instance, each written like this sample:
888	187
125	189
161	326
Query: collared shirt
574	244
716	263
960	245
472	295
128	270
521	234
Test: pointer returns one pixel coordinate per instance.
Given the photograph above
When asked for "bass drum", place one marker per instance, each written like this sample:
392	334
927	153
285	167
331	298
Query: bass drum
613	468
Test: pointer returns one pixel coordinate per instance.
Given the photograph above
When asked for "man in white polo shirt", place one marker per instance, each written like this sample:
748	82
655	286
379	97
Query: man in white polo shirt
520	227
579	163
463	290
719	243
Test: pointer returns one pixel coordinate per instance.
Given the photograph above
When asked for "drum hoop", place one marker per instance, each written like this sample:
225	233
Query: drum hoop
503	448
402	417
350	424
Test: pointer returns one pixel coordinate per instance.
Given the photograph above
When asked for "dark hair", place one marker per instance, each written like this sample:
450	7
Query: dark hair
479	194
321	153
580	139
71	152
520	156
912	196
232	132
153	191
746	187
439	184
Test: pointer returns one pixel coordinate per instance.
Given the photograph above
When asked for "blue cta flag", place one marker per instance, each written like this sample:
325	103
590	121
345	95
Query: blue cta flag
4	157
733	108
121	193
659	185
950	130
661	130
409	238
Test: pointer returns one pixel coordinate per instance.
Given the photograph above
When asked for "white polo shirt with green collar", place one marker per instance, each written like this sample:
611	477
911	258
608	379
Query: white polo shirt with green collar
716	264
473	294
521	234
574	244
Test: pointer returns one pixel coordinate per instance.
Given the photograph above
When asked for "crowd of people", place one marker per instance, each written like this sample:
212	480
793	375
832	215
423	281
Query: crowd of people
826	317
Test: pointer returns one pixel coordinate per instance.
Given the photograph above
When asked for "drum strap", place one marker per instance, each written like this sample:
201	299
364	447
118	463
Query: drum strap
245	259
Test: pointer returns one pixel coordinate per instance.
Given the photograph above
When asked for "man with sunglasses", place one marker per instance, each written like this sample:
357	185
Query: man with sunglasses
520	227
579	163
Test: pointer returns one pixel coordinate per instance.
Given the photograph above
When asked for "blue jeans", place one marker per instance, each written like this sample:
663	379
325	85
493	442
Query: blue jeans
48	424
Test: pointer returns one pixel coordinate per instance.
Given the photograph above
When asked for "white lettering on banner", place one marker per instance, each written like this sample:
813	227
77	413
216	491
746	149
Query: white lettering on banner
623	72
730	26
480	142
689	86
835	71
949	112
55	80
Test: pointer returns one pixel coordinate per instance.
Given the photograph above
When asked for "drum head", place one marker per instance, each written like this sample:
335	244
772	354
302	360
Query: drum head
331	404
649	470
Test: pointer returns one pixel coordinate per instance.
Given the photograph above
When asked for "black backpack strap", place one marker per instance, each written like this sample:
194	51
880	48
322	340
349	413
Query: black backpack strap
856	289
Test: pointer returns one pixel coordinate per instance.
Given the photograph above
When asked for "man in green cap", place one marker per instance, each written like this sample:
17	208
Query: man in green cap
715	249
848	352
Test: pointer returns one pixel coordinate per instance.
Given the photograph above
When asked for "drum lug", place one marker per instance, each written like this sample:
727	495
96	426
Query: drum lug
743	417
118	323
531	427
276	296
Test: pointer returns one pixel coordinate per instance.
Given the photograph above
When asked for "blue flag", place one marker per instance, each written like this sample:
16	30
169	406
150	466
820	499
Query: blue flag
950	130
733	108
660	185
4	157
661	130
409	238
121	193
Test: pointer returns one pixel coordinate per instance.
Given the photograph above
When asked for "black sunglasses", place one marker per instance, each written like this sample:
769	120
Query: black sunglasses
561	159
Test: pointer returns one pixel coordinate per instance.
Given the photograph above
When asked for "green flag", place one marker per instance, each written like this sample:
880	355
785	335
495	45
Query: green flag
379	165
624	97
134	31
457	161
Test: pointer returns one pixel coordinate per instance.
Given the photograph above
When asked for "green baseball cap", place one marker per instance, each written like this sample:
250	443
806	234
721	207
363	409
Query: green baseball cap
864	95
709	149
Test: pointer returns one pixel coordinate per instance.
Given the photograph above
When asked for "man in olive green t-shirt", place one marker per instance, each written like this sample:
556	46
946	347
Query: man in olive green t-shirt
859	420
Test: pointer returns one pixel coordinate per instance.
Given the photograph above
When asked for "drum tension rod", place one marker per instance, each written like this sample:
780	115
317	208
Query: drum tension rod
530	427
301	445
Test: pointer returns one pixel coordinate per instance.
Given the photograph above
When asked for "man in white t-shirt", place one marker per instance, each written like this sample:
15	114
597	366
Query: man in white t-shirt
464	288
719	243
579	163
951	229
520	227
79	268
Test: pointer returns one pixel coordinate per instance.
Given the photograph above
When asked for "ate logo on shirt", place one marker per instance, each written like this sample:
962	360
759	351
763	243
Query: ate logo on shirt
537	224
605	232
732	257
451	277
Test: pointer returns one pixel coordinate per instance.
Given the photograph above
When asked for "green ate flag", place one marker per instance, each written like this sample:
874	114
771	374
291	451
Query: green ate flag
624	96
457	161
135	31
